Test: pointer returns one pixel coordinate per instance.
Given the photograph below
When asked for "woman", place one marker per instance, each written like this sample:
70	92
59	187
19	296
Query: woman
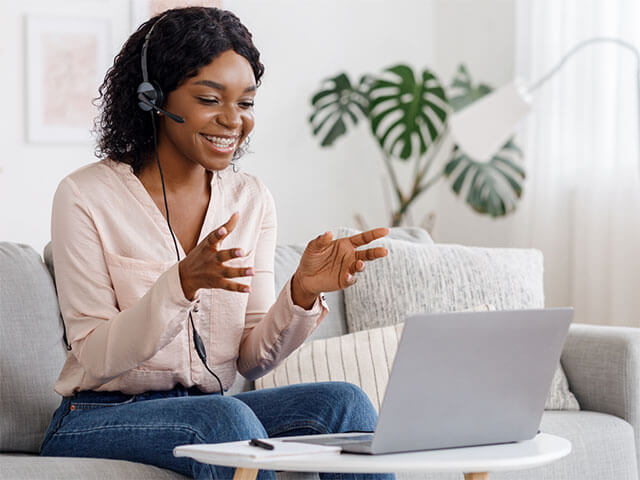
164	265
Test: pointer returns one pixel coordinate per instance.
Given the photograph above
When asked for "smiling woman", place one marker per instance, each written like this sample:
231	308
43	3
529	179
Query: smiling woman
145	295
180	46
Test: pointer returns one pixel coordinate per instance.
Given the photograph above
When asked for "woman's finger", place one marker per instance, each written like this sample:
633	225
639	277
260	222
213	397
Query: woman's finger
368	236
322	241
215	237
371	253
230	272
224	255
349	279
357	266
234	286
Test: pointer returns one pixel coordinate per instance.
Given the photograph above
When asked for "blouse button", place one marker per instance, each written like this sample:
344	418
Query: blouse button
196	308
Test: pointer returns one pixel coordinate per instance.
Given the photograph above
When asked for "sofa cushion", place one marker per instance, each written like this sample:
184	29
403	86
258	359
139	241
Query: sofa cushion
602	446
31	467
31	348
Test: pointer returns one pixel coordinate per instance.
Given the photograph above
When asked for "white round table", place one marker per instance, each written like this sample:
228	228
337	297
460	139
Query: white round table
474	462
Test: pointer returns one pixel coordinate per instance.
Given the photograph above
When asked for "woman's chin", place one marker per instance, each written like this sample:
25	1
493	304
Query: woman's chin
219	163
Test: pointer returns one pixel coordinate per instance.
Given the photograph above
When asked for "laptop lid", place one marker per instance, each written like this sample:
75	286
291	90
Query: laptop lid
470	378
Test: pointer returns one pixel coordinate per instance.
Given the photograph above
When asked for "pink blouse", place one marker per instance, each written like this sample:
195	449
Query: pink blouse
121	298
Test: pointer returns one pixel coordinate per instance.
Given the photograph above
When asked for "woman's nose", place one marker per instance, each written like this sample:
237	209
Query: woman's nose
230	118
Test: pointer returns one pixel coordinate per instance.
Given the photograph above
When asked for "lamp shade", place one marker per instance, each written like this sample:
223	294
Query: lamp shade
483	127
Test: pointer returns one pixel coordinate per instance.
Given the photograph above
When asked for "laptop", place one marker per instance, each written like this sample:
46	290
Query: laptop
464	379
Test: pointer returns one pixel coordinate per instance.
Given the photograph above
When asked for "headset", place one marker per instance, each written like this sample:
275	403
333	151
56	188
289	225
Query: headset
150	98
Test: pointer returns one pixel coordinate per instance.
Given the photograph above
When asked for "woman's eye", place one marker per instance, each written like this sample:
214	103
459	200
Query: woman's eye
247	104
207	101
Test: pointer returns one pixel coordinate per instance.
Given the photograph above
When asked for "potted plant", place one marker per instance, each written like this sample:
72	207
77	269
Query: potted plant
408	116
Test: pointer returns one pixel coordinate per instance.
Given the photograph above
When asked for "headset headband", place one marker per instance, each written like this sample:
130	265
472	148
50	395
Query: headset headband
143	58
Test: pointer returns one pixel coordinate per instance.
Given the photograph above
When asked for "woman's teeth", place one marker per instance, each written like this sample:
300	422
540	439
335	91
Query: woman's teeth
220	142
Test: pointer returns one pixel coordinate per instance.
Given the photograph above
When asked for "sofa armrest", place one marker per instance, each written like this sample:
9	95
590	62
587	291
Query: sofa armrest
602	365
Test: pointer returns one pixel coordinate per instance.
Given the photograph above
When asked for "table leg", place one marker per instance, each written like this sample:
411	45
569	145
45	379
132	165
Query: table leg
476	476
245	474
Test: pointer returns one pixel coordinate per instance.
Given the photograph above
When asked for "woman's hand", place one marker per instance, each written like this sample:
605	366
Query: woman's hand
204	266
327	265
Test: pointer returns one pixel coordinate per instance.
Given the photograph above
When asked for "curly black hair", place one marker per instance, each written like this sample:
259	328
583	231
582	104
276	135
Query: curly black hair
185	40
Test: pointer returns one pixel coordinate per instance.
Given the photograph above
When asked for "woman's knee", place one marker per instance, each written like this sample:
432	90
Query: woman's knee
352	407
222	419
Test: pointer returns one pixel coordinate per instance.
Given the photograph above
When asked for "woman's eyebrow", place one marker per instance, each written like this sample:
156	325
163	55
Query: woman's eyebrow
219	86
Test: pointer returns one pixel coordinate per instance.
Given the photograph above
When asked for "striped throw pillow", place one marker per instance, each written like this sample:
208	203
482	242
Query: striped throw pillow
363	358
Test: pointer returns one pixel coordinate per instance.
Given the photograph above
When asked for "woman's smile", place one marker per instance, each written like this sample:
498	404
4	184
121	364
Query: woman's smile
221	144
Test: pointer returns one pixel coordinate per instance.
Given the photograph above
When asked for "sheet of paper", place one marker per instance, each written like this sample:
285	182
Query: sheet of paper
281	449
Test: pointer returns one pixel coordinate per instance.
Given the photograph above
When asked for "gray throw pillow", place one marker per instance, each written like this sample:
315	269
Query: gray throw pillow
416	278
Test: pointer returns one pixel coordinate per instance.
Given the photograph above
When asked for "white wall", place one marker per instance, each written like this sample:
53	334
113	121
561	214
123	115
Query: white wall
301	42
481	35
29	173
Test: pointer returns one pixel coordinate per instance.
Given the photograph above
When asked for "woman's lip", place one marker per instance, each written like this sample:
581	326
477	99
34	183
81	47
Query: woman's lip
220	136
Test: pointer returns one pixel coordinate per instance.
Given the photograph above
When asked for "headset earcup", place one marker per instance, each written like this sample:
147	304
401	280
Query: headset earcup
153	93
159	95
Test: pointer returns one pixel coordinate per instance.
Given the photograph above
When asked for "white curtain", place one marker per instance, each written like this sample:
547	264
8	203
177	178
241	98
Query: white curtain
582	201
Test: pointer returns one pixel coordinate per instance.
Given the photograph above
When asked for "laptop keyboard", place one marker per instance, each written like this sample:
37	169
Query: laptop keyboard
338	439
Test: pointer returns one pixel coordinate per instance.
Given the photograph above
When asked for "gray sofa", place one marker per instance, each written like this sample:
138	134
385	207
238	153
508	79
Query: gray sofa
601	363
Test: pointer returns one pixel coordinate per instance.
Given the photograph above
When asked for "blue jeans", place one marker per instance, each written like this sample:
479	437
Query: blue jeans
146	427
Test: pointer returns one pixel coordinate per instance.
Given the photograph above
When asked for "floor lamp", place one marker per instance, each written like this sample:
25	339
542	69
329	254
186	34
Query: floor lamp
482	128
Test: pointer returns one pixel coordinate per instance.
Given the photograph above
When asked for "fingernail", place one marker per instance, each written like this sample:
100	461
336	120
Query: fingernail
245	289
249	271
238	252
222	231
349	277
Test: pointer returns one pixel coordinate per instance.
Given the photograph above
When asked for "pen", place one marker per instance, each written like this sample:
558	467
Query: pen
258	443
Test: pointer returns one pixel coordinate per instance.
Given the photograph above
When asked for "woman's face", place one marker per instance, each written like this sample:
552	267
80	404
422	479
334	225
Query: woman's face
217	107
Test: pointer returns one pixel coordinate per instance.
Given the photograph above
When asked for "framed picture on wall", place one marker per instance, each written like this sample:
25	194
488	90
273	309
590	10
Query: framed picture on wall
66	60
143	10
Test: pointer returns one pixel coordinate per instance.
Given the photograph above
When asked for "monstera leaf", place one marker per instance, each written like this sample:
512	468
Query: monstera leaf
467	92
492	187
407	113
337	103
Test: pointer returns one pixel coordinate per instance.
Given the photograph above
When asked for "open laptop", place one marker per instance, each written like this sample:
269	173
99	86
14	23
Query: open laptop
463	379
